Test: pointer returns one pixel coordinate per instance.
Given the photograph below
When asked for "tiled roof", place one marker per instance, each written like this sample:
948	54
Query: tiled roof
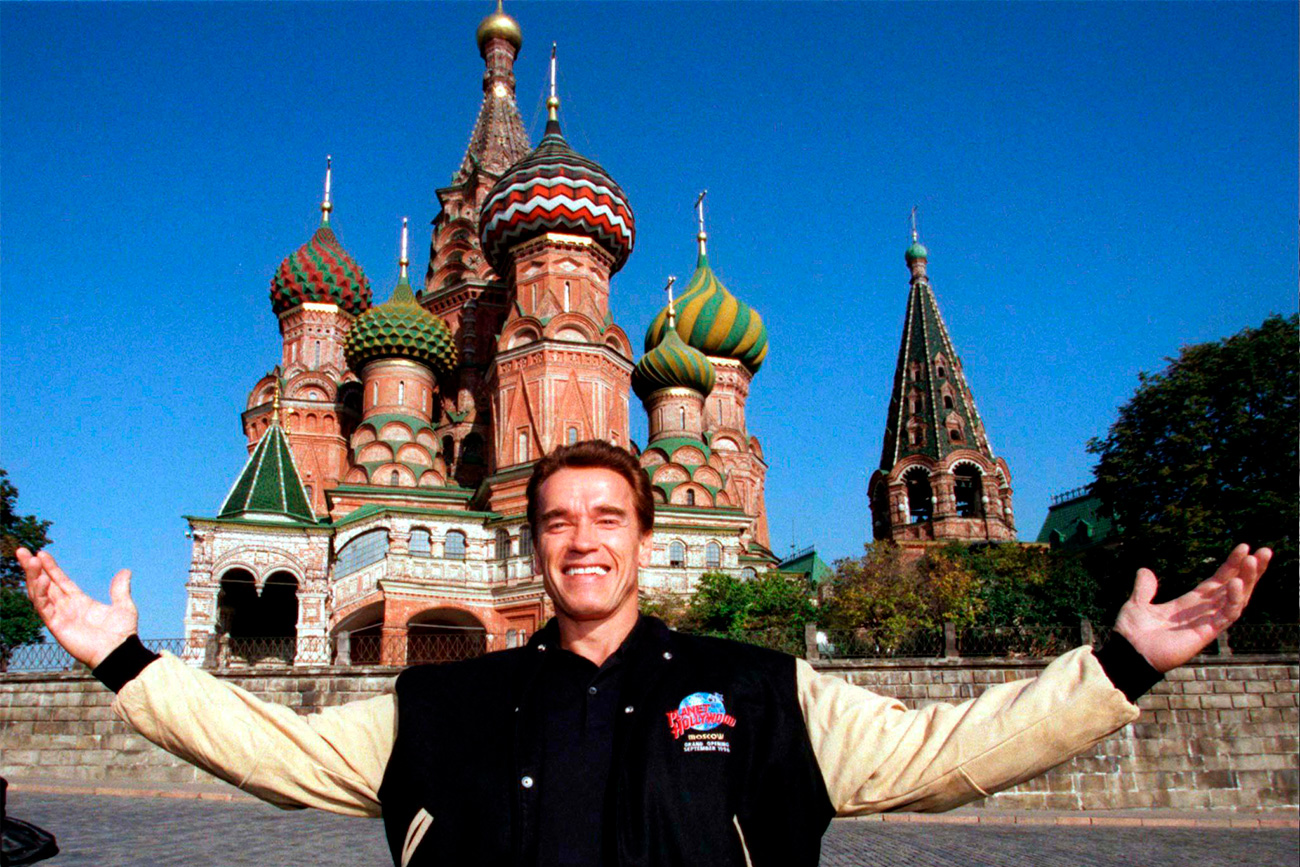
269	487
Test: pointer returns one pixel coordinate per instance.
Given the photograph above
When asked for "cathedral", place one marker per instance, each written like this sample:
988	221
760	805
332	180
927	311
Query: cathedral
380	516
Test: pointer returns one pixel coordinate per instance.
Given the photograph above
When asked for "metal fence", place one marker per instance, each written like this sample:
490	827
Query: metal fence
1011	642
985	641
878	643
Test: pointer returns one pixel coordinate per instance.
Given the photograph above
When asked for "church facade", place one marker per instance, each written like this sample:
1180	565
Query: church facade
380	516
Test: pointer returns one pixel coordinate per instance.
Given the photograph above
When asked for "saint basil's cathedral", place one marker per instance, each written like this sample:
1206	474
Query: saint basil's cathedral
380	516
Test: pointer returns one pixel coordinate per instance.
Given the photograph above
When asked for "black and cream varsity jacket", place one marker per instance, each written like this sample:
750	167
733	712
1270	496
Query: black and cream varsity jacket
726	752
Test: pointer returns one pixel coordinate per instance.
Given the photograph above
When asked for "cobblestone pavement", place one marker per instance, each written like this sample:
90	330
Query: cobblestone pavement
108	831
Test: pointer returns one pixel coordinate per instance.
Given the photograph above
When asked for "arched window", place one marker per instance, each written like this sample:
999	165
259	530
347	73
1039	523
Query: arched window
401	391
419	544
453	548
954	434
369	547
448	450
395	478
676	554
525	541
566	296
293	352
690	498
968	489
521	446
941	372
306	489
748	574
916	405
317	354
503	544
919	496
947	401
374	394
572	435
712	555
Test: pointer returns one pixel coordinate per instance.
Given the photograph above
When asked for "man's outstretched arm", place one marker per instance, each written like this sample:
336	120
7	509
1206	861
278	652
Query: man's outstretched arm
875	754
333	759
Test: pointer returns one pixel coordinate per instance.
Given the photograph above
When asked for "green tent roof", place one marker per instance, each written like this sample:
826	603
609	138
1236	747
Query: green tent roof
269	487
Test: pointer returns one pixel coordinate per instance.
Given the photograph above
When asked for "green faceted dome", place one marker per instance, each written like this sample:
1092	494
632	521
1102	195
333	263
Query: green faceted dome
401	328
916	251
672	364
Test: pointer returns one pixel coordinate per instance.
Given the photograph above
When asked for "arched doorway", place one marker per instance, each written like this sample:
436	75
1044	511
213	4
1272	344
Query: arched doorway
444	635
365	635
257	628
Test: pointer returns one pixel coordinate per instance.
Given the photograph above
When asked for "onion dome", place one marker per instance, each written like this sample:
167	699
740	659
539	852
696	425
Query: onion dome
499	25
714	321
672	364
915	252
401	328
321	271
555	189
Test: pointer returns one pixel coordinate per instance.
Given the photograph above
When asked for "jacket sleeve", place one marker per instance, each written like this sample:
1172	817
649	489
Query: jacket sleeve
877	755
333	759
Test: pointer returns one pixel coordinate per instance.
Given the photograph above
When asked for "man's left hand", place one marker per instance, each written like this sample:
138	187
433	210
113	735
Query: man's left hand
1171	633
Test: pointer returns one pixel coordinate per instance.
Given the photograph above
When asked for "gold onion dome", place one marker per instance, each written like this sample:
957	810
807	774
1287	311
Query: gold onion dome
672	364
714	321
499	25
401	328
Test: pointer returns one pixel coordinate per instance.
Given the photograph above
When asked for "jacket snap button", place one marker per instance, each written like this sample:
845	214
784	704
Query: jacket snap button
591	690
668	654
627	709
541	647
526	782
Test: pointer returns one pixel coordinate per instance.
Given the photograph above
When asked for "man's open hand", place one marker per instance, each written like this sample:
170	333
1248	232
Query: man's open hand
1171	633
87	629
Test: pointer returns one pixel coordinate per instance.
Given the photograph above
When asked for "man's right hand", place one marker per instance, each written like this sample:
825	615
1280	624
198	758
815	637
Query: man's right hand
87	629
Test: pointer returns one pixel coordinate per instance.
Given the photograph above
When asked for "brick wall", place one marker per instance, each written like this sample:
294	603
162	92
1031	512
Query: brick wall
1219	734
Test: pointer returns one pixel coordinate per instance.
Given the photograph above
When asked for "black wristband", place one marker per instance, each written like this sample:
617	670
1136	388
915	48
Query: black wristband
126	661
1126	668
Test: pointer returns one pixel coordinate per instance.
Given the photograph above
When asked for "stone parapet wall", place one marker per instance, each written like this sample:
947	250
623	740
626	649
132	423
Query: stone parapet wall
1218	734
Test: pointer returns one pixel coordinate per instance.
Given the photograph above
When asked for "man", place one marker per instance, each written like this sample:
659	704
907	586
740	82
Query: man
610	739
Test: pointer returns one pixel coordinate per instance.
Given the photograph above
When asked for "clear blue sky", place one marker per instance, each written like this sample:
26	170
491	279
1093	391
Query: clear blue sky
1098	185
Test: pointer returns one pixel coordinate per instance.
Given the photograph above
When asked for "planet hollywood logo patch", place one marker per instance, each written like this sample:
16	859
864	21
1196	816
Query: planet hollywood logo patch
698	718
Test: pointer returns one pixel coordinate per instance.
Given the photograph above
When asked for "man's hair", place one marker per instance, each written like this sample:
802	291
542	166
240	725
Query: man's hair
594	454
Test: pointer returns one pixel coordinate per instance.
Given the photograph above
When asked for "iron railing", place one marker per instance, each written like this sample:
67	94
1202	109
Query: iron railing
866	643
1006	642
1009	642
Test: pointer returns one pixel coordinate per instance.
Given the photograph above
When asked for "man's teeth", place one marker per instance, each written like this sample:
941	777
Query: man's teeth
586	570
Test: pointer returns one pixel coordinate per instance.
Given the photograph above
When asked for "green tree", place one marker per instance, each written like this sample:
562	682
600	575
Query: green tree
1029	584
1203	456
770	609
19	623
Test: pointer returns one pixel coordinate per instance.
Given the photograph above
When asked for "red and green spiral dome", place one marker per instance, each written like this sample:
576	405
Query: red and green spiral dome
320	271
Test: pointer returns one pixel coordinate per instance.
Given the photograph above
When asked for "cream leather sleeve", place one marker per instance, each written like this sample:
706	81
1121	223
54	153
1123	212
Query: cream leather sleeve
333	759
877	755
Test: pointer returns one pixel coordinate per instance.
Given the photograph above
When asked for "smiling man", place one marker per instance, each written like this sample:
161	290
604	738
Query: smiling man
610	739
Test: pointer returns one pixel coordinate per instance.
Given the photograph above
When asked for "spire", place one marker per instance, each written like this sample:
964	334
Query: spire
702	237
916	255
498	139
931	410
325	206
552	101
672	312
403	262
269	487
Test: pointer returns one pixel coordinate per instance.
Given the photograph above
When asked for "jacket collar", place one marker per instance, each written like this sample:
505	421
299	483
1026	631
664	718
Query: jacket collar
649	637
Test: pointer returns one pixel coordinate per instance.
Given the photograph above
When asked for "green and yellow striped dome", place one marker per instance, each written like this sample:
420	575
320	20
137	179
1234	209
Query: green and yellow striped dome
672	364
714	321
401	328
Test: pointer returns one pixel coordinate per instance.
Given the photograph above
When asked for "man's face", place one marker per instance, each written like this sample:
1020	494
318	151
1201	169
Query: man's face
589	544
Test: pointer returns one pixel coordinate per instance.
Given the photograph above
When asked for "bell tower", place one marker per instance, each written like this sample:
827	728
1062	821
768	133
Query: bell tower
938	478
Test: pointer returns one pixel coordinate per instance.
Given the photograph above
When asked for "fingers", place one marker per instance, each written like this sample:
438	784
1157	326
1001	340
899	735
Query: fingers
120	590
1144	587
57	575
